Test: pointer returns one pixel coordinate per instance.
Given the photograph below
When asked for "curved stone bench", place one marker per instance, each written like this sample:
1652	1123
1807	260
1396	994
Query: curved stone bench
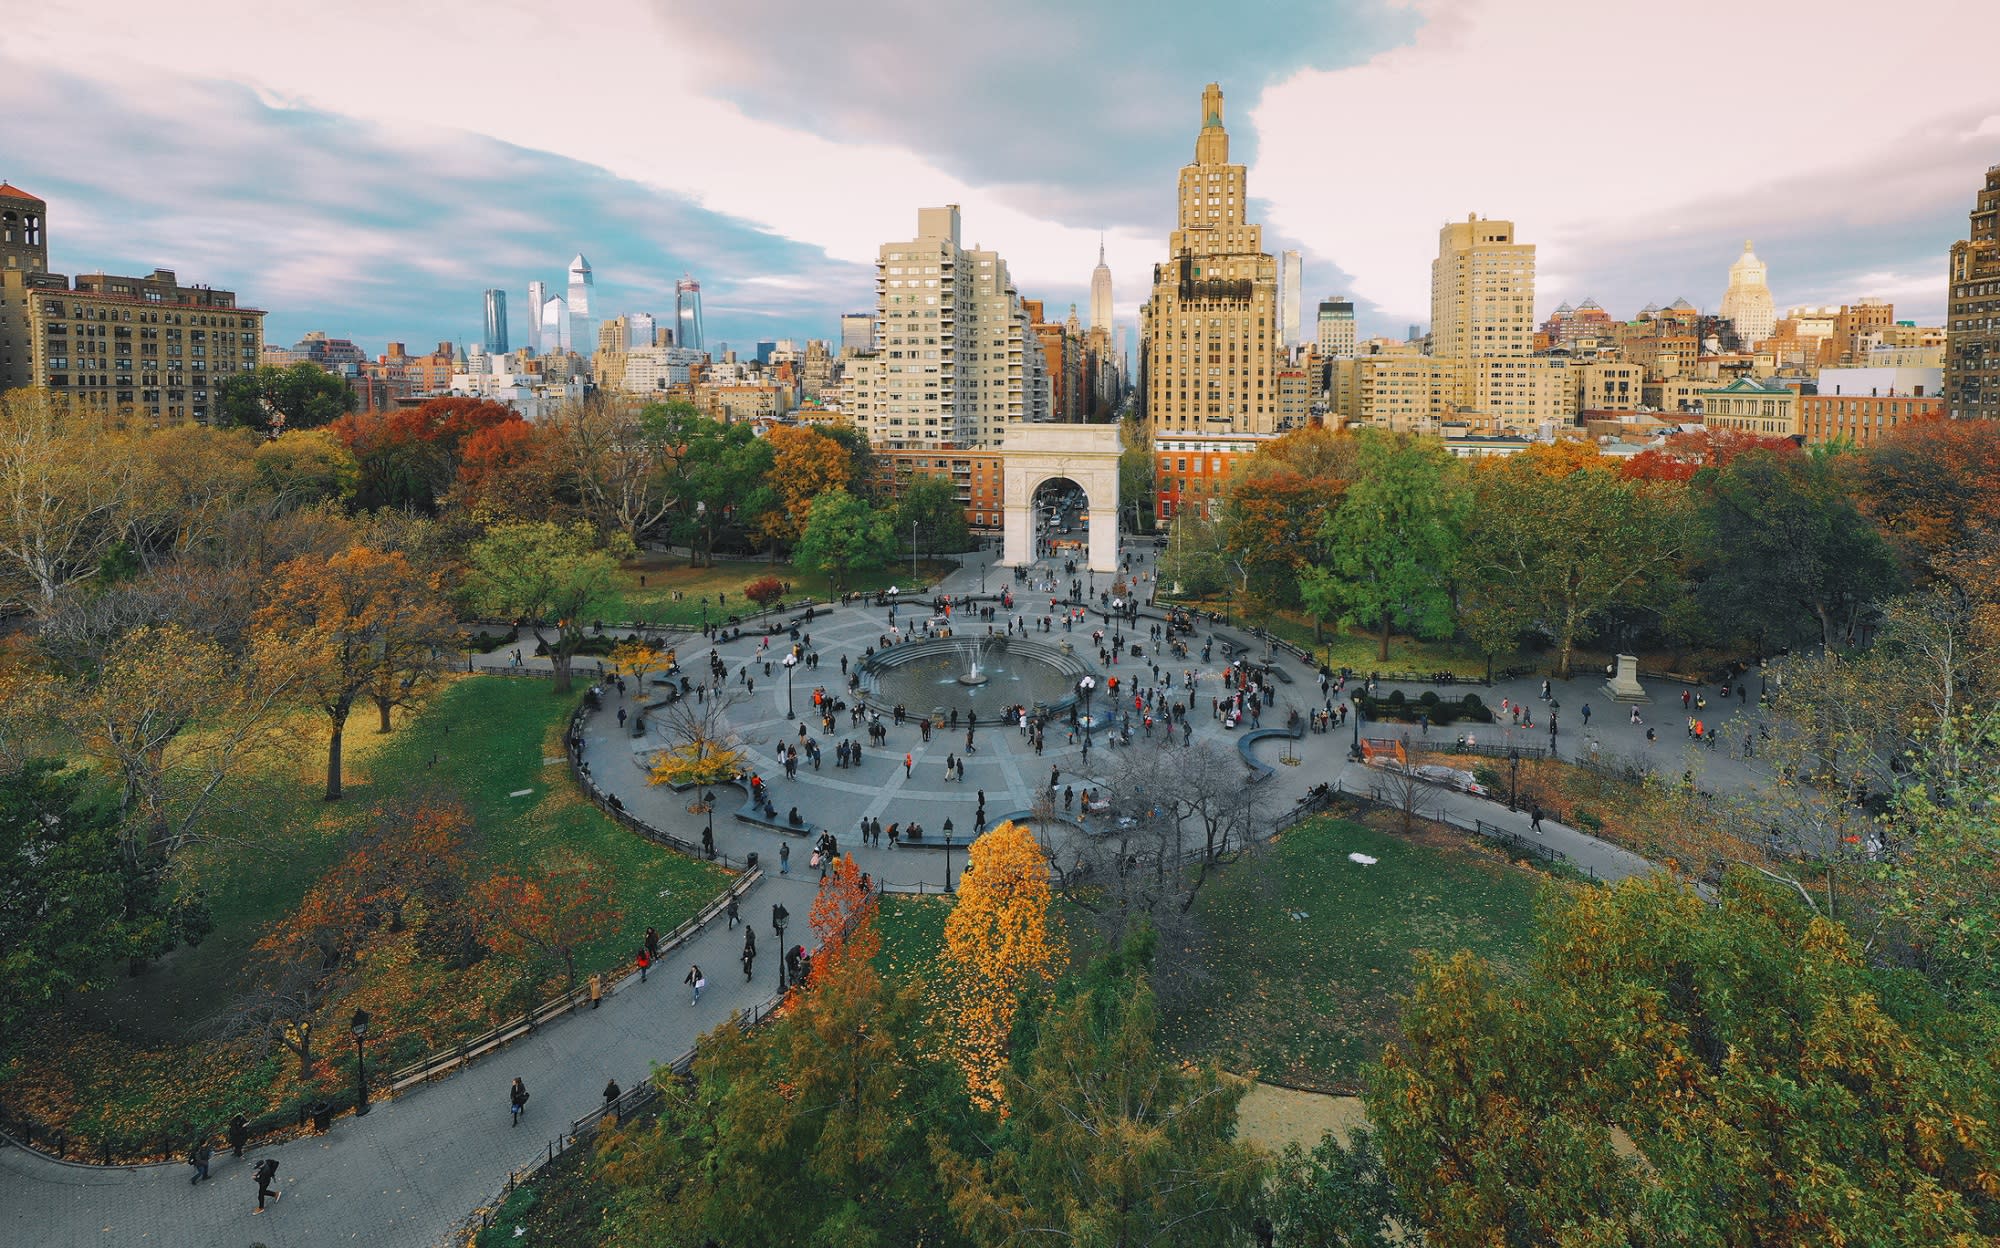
1260	772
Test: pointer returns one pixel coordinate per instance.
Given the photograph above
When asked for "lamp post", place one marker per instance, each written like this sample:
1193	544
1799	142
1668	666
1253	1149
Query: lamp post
1084	689
1513	779
778	916
708	803
947	862
913	550
791	661
360	1028
1356	702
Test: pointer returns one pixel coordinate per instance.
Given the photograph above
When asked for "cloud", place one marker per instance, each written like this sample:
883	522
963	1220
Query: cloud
362	230
1608	131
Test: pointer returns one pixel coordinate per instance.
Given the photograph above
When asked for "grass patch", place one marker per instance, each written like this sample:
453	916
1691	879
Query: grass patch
132	1058
1306	1001
672	591
1360	650
912	929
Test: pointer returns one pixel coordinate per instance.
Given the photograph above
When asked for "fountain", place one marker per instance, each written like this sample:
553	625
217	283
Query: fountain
972	675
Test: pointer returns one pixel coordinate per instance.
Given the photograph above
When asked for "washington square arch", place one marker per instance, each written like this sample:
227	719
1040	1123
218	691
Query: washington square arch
1058	456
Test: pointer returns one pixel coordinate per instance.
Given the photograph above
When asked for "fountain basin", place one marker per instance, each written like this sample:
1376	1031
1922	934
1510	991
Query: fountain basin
1009	671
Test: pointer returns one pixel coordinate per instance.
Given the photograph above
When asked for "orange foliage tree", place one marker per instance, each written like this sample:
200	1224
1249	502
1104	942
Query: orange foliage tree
356	621
839	905
550	917
805	463
410	457
1684	454
506	471
998	946
1931	484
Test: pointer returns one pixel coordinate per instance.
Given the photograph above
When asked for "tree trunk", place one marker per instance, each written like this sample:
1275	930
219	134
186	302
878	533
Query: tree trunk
333	760
559	658
382	705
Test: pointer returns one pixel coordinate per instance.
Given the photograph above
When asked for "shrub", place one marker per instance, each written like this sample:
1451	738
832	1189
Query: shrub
1429	698
765	590
1396	697
1474	707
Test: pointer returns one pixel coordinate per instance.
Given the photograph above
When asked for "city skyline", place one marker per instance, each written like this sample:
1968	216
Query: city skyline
337	210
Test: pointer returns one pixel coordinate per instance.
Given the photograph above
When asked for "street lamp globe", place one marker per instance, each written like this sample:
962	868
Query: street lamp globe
791	660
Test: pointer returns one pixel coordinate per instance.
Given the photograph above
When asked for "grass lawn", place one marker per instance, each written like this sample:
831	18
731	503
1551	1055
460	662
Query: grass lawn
655	601
912	930
1305	977
1361	650
489	737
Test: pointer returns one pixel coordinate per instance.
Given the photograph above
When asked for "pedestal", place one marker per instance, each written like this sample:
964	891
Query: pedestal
1624	684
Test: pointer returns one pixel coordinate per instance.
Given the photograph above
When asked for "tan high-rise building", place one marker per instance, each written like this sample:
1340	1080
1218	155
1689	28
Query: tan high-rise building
1747	303
1211	325
1482	292
1972	318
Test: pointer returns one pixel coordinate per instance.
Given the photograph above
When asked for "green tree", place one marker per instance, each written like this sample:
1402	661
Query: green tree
844	534
1339	1195
1111	1141
303	396
1944	878
549	575
1791	554
70	906
1135	476
721	470
1394	541
1775	1087
1560	538
930	506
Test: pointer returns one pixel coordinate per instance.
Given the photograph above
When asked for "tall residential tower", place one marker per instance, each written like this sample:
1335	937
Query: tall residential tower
1972	318
1747	302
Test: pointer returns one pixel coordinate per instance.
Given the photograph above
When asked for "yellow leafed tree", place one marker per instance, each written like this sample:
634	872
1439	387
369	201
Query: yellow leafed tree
998	946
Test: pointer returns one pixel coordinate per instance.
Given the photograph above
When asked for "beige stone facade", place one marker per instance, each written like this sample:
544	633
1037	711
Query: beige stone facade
1211	326
1748	405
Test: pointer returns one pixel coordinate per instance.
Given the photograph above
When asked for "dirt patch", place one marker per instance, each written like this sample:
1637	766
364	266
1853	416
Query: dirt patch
1272	1117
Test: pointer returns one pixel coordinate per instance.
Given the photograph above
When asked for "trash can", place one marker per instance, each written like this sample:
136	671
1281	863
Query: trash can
750	863
322	1116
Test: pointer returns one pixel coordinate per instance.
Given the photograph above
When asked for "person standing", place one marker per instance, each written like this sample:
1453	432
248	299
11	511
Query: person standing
652	944
611	1094
265	1171
696	981
198	1157
517	1099
645	961
596	990
908	763
239	1135
785	858
749	951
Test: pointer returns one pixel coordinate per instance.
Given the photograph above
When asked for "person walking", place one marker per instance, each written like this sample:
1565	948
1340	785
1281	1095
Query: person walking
909	763
730	910
785	858
264	1172
749	951
517	1099
645	960
1586	714
611	1094
652	945
239	1135
1535	819
198	1157
696	981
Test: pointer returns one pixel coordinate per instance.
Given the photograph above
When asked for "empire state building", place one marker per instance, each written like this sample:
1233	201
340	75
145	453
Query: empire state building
1211	326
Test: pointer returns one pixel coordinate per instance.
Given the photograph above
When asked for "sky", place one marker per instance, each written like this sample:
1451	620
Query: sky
369	169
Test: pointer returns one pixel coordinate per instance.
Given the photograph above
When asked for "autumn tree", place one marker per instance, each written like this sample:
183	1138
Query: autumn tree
1393	543
998	947
1277	504
358	622
410	457
186	481
1773	1086
66	489
805	465
304	467
1561	538
508	472
549	916
619	458
844	534
1686	453
551	576
269	398
810	1130
703	745
1112	1139
1932	484
1790	553
765	590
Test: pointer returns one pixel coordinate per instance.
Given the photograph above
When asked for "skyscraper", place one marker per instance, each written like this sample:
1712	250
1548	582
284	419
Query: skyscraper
1483	331
1290	269
1747	302
857	332
1101	315
538	296
1336	327
1211	325
639	329
555	326
687	314
582	333
496	322
1972	317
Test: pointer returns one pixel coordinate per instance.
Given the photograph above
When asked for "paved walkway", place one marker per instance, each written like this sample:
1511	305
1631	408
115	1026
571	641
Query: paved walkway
413	1168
